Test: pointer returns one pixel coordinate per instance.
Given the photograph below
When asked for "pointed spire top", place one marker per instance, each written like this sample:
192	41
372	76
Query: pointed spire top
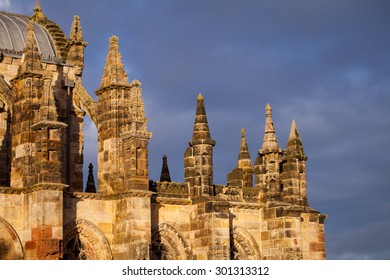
31	61
76	32
244	160
270	141
114	71
165	176
91	188
294	143
268	109
201	134
38	14
114	40
30	41
293	130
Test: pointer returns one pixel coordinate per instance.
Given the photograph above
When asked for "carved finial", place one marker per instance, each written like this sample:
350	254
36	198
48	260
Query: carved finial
244	160
270	141
31	61
293	130
76	32
114	40
38	14
165	176
136	83
294	143
114	71
30	42
201	132
91	180
268	108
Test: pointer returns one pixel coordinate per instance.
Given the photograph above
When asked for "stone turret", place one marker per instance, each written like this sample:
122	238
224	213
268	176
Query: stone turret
198	158
122	133
268	163
294	170
242	175
27	87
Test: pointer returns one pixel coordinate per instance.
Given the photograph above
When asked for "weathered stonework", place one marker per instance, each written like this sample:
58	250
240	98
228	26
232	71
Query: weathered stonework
44	212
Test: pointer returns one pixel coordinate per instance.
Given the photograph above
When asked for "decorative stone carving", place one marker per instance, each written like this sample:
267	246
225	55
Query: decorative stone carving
244	246
84	241
169	244
10	245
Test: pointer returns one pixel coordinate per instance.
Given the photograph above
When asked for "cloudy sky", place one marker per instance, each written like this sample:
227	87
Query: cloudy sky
324	63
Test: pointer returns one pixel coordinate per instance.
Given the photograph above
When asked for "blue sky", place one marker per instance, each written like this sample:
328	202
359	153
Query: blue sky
324	63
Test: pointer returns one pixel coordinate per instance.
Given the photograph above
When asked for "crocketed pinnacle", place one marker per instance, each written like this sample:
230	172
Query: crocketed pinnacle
244	160
38	14
114	71
31	61
47	115
201	134
270	141
90	188
76	32
165	176
294	143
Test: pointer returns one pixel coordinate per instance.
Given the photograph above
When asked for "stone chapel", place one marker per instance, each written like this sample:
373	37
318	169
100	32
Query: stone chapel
261	213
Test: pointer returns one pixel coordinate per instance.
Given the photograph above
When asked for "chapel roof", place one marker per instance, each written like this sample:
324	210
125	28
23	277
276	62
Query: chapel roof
13	30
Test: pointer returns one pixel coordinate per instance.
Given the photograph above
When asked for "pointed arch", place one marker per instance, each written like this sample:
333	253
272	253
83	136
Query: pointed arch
10	245
169	244
84	241
244	246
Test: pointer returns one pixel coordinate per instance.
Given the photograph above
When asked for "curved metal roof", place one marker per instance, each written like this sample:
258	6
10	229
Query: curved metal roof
13	30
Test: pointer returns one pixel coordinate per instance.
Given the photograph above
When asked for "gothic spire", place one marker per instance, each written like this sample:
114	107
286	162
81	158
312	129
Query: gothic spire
270	141
165	176
201	134
76	32
31	61
91	188
114	71
294	143
244	160
38	14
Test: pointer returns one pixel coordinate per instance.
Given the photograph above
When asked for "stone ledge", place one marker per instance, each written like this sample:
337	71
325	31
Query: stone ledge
36	187
109	196
246	205
173	201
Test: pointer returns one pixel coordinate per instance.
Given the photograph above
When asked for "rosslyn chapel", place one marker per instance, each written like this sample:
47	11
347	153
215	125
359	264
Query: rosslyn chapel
46	210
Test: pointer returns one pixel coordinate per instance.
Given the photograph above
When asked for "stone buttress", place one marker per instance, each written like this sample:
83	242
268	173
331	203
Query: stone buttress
38	154
123	156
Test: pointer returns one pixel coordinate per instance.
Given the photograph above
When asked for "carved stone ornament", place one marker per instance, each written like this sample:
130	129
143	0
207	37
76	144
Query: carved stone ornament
244	246
84	241
168	244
